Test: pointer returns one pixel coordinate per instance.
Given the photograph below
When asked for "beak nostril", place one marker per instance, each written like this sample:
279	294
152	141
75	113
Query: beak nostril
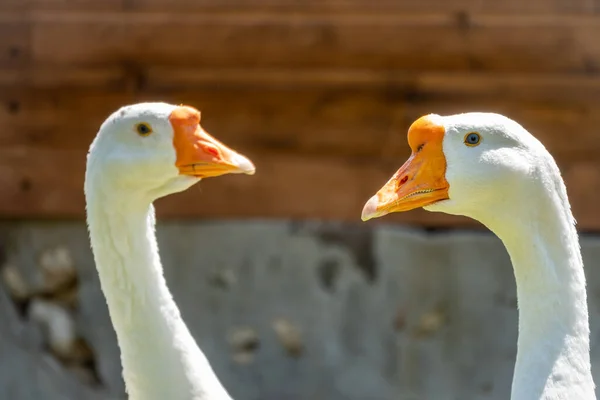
403	180
212	151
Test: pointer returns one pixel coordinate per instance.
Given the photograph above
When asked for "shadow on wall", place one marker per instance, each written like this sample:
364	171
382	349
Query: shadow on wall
283	310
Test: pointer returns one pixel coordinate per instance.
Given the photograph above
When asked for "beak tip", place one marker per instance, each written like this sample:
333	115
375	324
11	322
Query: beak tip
370	209
244	165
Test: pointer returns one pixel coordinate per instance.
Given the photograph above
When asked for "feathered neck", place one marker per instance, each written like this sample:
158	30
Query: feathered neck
553	360
160	357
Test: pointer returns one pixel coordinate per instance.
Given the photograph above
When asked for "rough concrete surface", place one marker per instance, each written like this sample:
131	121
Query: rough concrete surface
293	311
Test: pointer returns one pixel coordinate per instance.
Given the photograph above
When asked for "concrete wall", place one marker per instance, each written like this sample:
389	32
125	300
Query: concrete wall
293	311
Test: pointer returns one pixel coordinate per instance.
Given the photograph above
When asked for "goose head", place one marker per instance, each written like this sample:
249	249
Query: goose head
150	150
481	165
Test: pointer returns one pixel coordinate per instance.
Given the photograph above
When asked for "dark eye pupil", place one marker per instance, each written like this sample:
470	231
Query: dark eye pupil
473	138
143	129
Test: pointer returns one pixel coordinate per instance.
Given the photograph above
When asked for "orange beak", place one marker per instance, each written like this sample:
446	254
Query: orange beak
198	153
421	180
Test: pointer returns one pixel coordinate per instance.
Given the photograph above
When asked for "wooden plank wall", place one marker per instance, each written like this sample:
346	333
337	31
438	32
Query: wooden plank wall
319	93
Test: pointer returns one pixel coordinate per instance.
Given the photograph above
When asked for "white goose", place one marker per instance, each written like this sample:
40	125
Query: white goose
488	167
143	152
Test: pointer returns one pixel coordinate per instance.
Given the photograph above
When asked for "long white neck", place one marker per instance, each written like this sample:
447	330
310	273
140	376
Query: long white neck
159	355
553	355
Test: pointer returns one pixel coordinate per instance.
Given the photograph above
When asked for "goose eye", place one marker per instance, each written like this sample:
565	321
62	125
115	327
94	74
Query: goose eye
143	129
472	139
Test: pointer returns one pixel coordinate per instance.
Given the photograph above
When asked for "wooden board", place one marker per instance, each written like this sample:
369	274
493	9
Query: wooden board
318	92
295	6
357	115
322	147
48	183
74	5
410	42
15	42
381	6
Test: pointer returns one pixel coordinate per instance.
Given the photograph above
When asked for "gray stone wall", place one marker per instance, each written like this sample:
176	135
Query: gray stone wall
282	310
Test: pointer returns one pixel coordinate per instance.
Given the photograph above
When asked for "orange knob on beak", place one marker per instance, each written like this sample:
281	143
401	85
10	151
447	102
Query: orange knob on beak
421	180
198	153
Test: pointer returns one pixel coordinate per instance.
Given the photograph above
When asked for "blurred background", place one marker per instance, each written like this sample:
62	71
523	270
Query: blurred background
286	291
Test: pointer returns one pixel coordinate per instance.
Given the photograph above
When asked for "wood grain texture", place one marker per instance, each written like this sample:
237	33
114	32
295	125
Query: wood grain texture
15	42
69	5
295	6
382	6
41	183
359	115
410	42
318	93
321	149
